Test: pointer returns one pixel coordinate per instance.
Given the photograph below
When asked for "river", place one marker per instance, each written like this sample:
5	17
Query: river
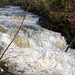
35	50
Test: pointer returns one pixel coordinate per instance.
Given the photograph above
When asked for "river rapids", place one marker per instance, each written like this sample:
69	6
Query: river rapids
35	50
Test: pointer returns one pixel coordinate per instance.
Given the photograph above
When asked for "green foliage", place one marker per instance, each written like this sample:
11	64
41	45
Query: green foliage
55	17
62	2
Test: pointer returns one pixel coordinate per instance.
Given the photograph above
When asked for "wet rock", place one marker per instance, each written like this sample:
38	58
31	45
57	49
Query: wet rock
34	27
1	48
2	30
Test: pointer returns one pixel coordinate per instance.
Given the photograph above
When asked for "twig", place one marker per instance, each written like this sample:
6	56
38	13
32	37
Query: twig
70	45
16	32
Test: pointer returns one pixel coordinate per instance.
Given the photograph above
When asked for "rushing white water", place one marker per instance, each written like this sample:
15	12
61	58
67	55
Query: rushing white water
35	51
16	11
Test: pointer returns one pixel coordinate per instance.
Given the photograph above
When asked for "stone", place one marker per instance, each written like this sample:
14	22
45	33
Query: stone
2	30
1	48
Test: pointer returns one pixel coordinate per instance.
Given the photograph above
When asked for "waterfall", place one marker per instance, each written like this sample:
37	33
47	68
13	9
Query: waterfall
35	50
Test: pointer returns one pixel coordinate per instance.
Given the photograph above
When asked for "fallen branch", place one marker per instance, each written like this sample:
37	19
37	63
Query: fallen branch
16	32
70	45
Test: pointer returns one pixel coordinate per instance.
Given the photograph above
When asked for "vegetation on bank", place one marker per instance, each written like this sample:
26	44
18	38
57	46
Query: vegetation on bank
57	15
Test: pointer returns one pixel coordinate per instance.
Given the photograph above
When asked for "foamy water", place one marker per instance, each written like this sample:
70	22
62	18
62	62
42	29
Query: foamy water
35	51
16	11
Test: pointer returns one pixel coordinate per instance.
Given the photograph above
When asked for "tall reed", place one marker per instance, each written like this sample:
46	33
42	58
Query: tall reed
16	32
